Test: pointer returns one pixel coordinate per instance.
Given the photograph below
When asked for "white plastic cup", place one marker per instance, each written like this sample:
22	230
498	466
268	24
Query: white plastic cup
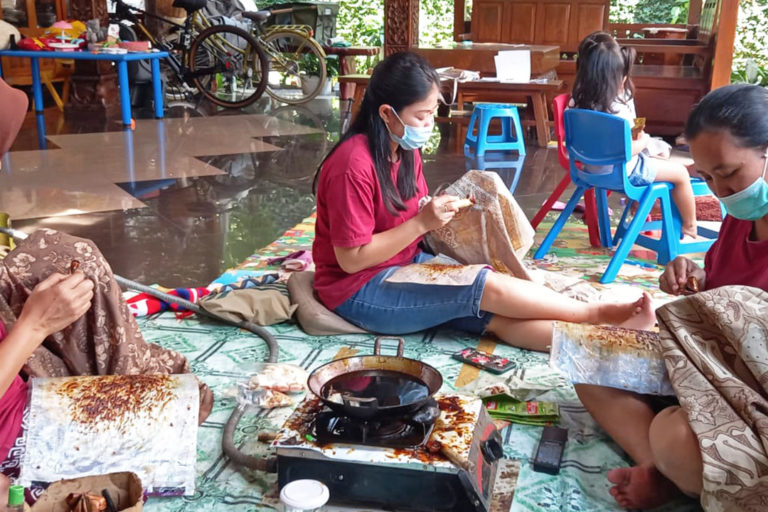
304	496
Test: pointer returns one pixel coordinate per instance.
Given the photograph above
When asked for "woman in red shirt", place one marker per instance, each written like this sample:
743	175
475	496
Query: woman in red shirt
728	136
373	210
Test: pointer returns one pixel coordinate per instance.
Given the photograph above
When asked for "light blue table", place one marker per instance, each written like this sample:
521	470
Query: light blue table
121	60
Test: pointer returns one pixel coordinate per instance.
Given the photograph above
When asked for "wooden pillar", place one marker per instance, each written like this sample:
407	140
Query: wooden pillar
94	83
694	12
458	19
401	25
726	36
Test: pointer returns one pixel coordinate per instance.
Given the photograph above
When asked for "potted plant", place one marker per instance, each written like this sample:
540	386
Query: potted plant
311	74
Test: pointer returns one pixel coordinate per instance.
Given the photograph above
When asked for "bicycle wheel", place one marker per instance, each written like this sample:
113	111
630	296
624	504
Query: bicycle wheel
228	66
297	70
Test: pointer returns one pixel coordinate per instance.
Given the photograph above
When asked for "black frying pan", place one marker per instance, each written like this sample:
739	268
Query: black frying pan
368	407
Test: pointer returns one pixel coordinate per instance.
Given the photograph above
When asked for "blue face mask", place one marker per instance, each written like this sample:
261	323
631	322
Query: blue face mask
414	137
750	203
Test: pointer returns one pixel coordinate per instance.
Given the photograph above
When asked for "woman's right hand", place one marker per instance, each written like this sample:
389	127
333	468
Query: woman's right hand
676	274
438	212
56	302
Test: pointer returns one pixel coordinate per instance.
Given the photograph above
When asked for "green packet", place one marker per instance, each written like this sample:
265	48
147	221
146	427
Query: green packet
507	408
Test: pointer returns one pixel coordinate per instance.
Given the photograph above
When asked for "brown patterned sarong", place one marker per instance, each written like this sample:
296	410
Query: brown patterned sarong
716	350
106	340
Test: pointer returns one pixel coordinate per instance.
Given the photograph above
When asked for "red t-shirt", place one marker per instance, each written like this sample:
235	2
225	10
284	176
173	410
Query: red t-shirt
350	210
12	405
735	259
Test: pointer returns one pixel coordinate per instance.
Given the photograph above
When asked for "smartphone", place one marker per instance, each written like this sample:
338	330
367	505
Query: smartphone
484	360
549	453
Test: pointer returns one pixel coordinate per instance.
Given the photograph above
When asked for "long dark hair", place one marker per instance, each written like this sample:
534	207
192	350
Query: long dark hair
740	109
400	80
600	68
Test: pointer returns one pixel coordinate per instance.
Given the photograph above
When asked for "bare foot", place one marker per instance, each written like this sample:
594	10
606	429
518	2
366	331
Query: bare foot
645	315
641	487
633	315
691	231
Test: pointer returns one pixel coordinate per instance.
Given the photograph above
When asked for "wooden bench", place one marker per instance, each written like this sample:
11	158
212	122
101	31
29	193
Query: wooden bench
358	82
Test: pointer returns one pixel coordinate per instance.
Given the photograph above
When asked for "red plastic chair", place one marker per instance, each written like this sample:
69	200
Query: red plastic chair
559	105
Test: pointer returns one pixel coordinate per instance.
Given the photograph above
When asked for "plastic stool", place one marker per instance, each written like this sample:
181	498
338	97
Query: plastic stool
511	137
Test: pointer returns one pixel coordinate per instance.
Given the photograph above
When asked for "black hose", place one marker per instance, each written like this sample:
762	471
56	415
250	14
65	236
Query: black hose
227	441
268	464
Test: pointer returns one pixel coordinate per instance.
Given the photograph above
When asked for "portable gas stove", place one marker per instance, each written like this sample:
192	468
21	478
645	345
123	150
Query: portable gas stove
422	464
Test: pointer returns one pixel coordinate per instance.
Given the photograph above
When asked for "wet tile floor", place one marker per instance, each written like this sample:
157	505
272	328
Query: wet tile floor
179	201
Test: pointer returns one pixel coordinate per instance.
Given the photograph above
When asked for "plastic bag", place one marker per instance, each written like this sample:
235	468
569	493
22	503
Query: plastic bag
271	385
610	356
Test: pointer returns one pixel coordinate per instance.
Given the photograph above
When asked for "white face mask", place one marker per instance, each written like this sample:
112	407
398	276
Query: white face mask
414	137
752	202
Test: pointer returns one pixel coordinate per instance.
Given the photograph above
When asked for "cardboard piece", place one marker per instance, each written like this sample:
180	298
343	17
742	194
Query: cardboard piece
513	66
125	489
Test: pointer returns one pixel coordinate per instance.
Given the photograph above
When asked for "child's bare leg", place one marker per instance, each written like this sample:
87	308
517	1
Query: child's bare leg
627	418
676	451
682	194
524	300
4	486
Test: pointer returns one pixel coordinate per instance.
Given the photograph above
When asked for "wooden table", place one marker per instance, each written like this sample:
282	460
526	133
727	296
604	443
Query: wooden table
479	56
345	54
535	92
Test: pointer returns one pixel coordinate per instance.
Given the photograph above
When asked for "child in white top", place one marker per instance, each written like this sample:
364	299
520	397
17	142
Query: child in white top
603	83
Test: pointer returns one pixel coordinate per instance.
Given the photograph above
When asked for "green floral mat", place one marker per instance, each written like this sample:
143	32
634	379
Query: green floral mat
221	356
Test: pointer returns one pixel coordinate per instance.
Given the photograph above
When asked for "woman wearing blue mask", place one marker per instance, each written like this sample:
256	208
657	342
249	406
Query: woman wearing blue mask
728	135
373	209
685	448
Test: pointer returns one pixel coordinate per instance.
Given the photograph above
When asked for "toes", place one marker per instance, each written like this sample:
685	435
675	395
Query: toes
619	476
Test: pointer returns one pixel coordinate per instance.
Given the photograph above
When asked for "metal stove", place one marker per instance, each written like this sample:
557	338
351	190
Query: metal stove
400	463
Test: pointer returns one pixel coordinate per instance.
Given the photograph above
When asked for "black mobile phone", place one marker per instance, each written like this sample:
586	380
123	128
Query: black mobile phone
484	360
549	453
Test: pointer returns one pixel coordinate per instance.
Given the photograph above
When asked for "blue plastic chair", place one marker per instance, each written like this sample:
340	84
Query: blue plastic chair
510	139
599	139
507	165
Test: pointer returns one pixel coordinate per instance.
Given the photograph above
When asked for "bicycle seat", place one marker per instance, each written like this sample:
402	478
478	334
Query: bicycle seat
257	16
190	5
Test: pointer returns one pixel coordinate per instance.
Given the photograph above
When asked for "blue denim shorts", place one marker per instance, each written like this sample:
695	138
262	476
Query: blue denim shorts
644	172
401	308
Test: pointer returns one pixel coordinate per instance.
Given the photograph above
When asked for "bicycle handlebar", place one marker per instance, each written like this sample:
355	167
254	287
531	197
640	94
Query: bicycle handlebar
292	9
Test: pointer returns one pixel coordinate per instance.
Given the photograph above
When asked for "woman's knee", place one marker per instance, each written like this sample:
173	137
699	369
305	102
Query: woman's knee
675	449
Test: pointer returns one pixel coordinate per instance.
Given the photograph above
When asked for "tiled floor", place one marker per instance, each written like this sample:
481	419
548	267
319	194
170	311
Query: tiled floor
177	201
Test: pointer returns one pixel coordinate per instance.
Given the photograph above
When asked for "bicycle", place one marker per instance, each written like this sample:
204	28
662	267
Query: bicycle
223	62
297	69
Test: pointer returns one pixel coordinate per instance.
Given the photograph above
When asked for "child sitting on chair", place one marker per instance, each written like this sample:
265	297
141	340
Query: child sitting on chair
603	83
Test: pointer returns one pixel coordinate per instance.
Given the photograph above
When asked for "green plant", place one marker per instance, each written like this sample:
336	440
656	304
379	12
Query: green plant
332	65
750	57
435	22
310	64
361	23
